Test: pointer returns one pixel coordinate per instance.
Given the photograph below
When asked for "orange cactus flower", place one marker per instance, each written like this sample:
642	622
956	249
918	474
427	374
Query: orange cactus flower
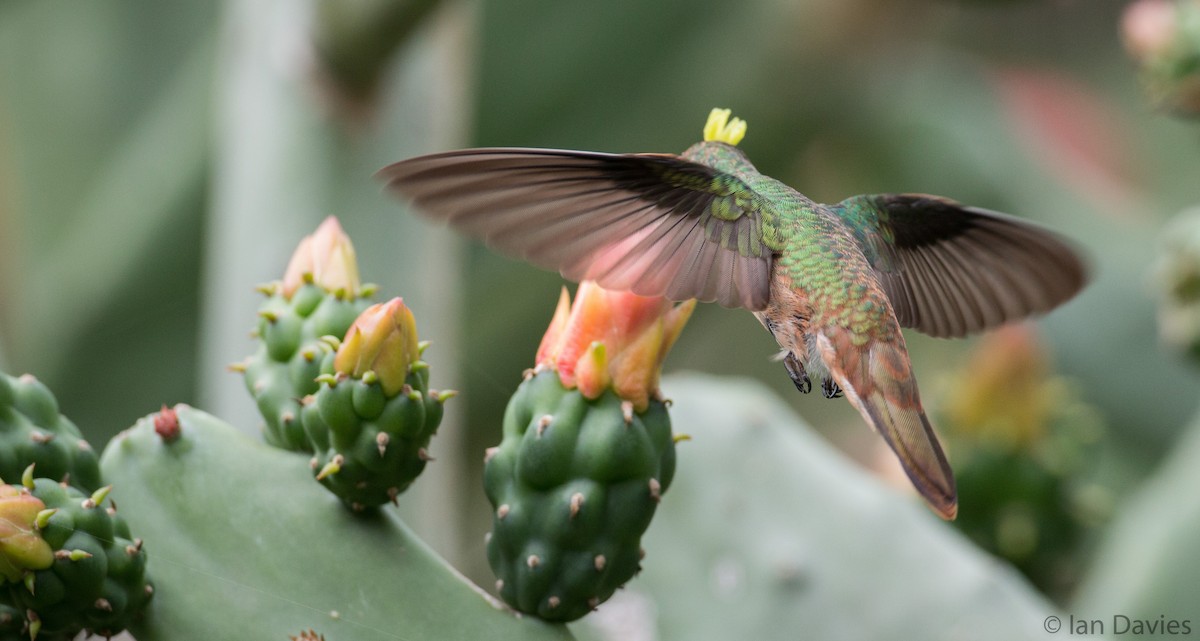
609	339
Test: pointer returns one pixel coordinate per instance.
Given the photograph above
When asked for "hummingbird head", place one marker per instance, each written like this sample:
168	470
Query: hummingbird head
719	147
720	128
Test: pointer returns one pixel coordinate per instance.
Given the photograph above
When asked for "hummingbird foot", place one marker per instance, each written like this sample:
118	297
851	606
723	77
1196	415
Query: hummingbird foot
795	369
830	389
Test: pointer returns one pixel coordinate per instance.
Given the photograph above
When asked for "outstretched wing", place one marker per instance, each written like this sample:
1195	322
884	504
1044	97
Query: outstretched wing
951	270
656	225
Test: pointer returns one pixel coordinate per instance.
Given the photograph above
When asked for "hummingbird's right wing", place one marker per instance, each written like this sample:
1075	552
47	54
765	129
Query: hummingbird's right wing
656	225
950	270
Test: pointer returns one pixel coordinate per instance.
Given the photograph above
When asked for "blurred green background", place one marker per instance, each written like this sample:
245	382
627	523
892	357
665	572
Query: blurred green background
158	160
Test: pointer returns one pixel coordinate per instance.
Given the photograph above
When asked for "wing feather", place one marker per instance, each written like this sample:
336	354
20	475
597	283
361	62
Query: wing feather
653	224
951	270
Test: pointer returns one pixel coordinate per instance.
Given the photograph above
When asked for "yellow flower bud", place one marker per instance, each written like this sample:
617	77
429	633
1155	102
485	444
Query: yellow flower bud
383	340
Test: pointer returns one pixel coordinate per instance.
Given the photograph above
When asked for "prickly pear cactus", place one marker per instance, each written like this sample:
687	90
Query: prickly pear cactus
575	483
92	576
586	456
372	419
319	296
259	551
32	432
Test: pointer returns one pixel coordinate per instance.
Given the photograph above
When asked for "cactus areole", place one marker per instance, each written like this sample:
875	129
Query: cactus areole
586	455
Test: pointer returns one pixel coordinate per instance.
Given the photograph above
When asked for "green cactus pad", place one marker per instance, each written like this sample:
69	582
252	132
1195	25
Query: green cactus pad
369	447
574	484
290	353
246	546
33	432
97	581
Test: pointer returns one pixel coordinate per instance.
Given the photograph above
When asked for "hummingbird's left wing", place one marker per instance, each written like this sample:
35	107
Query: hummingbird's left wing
950	270
653	224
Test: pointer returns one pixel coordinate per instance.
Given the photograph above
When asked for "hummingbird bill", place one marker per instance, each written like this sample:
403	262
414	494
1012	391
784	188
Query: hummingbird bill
834	284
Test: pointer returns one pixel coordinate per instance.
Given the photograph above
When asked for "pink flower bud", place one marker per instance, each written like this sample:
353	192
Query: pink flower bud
325	258
383	340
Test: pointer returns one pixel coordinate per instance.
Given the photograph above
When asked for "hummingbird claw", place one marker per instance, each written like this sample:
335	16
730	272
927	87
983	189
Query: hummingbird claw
830	389
795	369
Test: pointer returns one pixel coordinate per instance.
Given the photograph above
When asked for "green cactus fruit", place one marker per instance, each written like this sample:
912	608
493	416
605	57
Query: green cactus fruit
319	296
293	344
586	455
32	432
371	421
97	579
574	483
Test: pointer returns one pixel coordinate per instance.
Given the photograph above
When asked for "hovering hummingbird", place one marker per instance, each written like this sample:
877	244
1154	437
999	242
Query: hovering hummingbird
832	283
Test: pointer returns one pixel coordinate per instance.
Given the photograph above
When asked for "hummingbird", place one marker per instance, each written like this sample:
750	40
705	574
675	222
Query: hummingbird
834	284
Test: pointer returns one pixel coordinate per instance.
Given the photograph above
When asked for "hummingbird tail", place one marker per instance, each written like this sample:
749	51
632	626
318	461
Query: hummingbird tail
877	380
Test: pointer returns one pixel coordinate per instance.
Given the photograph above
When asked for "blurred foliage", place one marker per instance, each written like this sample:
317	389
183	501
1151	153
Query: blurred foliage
1163	36
157	160
1177	283
1148	562
1024	448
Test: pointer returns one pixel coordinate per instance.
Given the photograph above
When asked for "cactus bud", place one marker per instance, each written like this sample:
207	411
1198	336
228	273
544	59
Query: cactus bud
372	418
21	547
587	454
325	258
383	340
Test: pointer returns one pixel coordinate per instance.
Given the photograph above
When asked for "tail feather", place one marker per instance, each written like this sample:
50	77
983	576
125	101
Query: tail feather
878	381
